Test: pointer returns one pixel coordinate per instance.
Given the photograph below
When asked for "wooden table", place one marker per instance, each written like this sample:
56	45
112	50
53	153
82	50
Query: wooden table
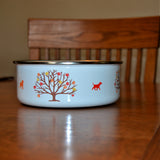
121	131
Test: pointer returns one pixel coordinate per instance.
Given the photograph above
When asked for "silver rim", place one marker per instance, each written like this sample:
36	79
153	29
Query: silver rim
60	62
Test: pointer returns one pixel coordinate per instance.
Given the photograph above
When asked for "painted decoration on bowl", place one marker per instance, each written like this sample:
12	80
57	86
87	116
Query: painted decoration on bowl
96	87
21	84
54	83
117	81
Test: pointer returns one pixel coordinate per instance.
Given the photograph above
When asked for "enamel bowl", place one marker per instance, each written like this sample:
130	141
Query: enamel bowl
68	84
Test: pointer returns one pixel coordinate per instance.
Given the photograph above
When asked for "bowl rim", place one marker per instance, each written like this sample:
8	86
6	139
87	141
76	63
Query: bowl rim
65	62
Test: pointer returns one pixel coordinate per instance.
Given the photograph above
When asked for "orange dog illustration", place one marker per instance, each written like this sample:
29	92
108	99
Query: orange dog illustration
21	84
96	86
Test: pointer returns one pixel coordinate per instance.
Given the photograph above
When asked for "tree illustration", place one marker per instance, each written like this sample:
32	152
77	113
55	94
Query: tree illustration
54	83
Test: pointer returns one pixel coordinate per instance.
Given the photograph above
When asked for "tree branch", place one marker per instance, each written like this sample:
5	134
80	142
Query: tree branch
68	89
63	81
41	88
43	80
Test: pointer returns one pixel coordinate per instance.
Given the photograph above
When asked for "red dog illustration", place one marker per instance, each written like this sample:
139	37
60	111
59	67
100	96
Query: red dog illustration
96	86
21	84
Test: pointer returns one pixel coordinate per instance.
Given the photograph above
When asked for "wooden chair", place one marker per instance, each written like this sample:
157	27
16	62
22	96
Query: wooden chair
105	35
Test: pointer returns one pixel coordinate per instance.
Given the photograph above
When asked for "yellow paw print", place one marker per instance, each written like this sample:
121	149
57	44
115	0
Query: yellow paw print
74	89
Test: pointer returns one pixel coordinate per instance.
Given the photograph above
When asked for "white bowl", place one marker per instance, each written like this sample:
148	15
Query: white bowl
68	84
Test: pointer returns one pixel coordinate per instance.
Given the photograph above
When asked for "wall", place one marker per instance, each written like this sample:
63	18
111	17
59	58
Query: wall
14	15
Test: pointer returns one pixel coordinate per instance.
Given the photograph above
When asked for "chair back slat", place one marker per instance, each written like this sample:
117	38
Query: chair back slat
88	54
108	55
118	55
78	54
46	54
138	65
98	54
128	65
34	54
57	54
150	67
68	54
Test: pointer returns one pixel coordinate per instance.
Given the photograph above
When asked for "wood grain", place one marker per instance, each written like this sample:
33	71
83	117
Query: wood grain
153	149
100	33
119	131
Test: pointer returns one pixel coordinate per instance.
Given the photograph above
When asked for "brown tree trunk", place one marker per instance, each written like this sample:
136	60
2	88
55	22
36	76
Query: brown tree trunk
54	98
